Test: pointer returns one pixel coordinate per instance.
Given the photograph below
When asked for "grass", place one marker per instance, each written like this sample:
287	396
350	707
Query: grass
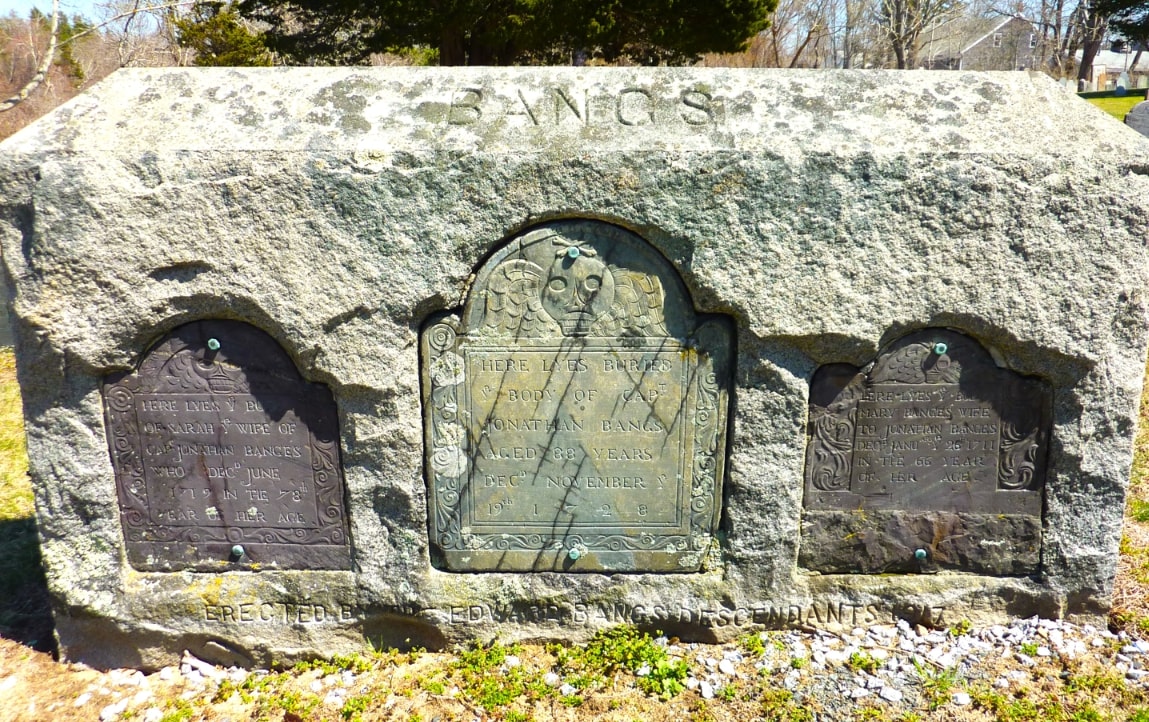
1117	107
24	612
15	490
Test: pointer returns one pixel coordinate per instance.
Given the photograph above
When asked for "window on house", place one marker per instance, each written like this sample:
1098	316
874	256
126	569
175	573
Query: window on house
997	40
1033	40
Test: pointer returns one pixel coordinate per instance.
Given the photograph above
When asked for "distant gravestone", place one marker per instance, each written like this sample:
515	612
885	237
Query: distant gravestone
224	457
932	457
1138	118
576	412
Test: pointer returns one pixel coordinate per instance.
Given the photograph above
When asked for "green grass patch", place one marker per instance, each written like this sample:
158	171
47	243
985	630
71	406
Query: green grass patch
24	612
1117	107
15	488
622	649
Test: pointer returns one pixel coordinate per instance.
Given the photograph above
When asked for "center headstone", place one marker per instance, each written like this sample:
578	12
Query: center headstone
576	412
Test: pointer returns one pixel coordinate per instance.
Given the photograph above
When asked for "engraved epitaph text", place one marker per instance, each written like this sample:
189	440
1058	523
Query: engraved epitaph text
225	457
576	411
931	448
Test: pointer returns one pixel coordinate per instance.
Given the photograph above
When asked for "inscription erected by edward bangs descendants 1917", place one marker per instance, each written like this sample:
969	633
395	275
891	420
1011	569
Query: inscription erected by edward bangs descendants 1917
225	457
576	412
932	450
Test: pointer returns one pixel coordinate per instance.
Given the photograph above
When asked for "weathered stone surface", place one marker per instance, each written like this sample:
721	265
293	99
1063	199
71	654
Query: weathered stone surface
884	541
338	210
1138	118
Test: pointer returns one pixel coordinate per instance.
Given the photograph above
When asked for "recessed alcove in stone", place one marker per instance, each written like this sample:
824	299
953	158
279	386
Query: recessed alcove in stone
225	458
931	457
576	410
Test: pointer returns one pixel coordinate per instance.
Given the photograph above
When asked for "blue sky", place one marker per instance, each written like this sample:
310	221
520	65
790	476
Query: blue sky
87	8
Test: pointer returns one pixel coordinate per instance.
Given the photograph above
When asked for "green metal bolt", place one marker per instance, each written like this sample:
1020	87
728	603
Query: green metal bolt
213	344
237	550
940	348
920	554
573	251
574	554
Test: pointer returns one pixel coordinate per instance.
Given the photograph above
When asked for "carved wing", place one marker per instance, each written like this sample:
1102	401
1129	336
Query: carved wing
904	366
513	303
637	309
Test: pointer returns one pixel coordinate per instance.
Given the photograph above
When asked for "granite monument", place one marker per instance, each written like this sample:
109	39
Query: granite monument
313	358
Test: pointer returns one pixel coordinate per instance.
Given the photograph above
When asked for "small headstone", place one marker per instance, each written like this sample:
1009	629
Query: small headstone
225	457
1138	118
576	411
931	457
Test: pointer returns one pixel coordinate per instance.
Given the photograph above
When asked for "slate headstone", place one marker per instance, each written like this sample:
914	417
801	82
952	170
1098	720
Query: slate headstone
224	457
930	458
1138	118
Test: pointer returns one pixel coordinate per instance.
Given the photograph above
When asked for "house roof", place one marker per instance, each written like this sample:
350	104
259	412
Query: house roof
1001	24
1112	60
955	37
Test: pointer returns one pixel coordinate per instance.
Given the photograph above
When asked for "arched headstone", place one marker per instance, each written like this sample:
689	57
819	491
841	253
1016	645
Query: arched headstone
931	457
575	411
1138	118
225	457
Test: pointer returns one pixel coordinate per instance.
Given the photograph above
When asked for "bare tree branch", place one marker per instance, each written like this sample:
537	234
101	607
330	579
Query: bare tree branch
54	43
45	64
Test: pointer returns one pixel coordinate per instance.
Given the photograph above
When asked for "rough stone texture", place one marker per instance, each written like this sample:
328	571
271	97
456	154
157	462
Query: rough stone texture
337	209
882	541
1138	118
5	317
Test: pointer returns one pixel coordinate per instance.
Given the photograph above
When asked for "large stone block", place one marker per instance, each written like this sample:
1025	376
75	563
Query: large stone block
737	237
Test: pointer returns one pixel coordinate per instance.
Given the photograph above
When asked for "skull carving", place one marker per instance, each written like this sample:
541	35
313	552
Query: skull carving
579	288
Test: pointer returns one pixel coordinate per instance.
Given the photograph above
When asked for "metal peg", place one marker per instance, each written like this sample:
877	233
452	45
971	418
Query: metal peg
920	554
940	348
213	344
573	251
237	550
574	554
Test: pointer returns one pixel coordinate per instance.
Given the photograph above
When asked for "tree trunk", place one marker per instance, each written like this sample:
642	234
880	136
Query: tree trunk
45	65
452	47
1093	32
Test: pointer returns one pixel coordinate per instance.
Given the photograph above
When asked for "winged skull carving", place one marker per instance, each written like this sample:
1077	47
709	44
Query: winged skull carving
917	364
579	293
637	309
513	303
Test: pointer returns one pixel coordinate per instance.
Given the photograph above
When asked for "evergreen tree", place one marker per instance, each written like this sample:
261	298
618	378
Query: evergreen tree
504	32
219	37
1131	19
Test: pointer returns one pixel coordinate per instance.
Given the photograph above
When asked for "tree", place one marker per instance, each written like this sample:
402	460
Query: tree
903	21
45	63
502	32
1130	18
219	37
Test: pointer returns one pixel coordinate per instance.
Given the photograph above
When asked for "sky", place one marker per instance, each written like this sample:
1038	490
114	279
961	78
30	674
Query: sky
87	8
